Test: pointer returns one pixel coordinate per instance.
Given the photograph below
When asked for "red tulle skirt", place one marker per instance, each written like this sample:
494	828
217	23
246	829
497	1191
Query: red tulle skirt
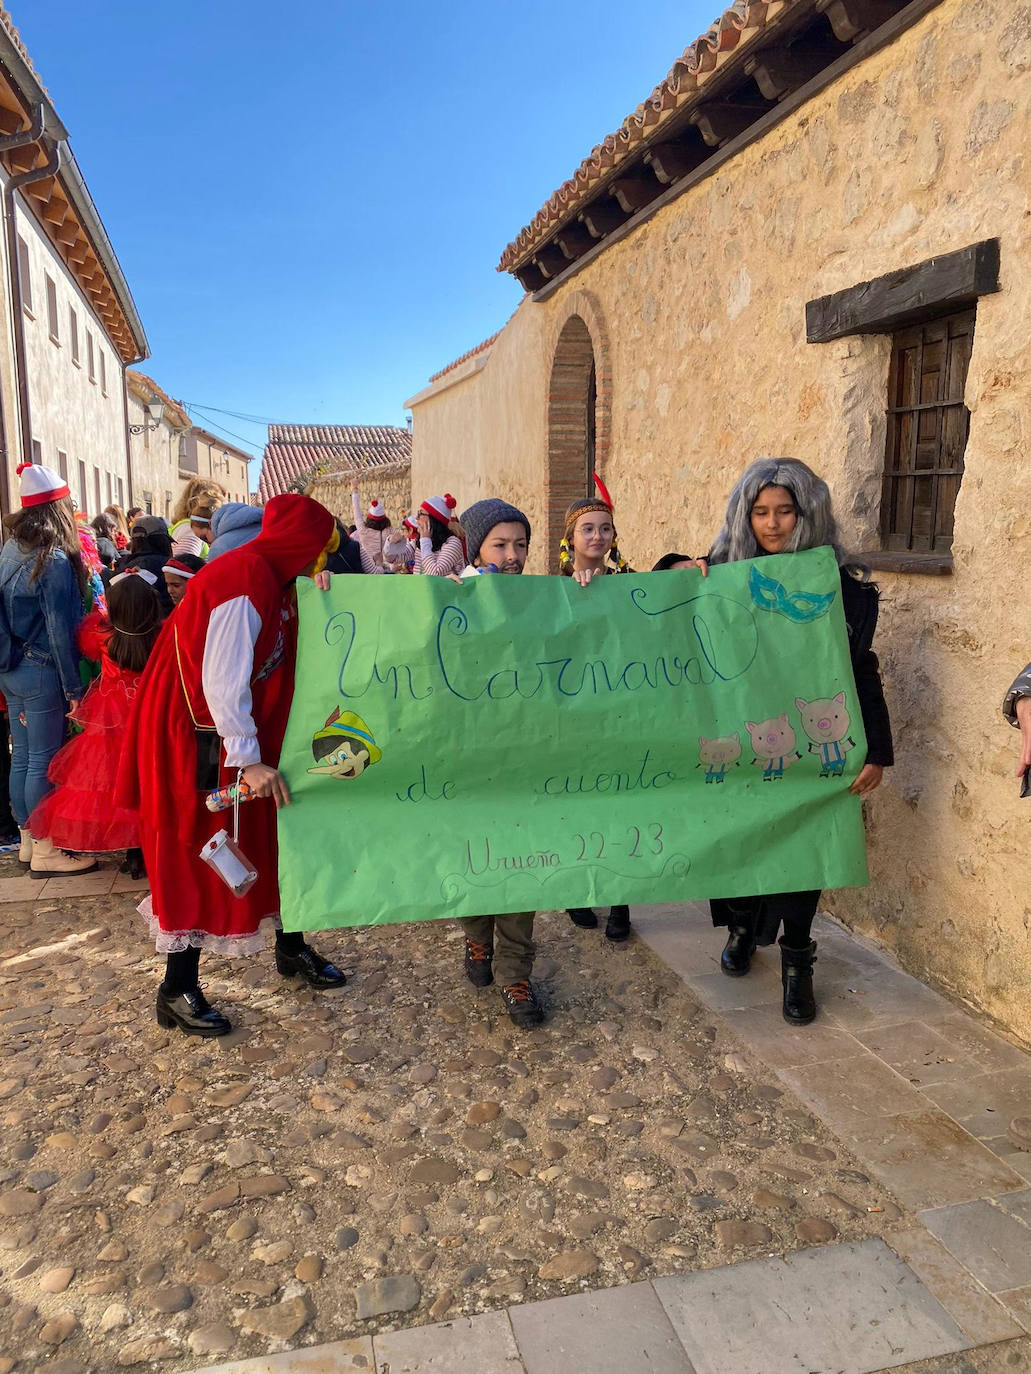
80	813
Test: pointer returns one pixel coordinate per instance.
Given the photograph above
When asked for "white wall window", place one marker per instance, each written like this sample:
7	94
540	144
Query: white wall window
121	494
96	492
103	371
24	275
62	463
91	357
148	502
73	334
53	323
83	493
37	451
110	489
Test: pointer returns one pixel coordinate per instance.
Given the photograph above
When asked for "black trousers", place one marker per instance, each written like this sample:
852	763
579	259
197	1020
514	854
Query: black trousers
792	910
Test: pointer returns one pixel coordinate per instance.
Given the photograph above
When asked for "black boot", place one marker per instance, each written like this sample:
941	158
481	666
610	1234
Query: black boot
310	967
134	865
617	927
191	1012
796	973
582	916
736	958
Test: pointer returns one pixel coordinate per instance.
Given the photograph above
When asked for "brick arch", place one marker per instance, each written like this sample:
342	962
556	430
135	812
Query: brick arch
579	411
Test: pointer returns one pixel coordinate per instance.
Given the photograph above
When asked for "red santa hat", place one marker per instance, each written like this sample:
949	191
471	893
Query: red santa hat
442	508
40	484
376	511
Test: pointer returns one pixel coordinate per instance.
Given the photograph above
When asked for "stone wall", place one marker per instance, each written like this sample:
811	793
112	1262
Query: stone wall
392	485
920	150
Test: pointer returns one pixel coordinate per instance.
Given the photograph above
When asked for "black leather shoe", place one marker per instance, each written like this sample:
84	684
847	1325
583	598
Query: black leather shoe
521	1003
310	967
796	975
191	1013
582	916
133	864
736	958
479	963
617	927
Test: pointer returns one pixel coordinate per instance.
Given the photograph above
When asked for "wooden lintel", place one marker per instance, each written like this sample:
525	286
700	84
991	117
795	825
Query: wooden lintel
635	190
601	217
941	285
573	241
720	120
850	19
778	70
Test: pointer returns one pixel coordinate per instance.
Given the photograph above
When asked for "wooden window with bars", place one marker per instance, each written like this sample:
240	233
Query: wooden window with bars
928	424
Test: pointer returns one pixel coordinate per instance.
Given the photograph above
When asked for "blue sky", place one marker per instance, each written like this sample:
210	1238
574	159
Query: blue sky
309	200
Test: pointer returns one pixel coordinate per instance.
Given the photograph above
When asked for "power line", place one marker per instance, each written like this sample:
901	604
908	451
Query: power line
236	414
221	428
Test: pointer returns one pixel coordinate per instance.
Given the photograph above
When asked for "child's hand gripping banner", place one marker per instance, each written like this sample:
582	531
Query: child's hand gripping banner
518	743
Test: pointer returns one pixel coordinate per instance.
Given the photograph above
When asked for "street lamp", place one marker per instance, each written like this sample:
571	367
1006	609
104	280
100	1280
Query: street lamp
155	409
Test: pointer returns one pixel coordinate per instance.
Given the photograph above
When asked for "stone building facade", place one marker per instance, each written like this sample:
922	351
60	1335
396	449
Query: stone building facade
69	322
848	282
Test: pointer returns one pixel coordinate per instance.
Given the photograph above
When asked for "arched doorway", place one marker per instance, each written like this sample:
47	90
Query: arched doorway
572	427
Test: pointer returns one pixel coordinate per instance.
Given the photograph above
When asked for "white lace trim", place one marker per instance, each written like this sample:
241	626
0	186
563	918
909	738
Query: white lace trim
234	946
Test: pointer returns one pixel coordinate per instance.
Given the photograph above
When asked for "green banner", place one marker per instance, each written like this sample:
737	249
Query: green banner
517	743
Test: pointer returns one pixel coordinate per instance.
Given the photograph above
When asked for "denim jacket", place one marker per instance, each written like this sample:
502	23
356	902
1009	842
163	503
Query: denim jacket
39	620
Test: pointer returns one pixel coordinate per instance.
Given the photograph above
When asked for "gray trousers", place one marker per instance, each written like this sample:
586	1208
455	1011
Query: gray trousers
511	937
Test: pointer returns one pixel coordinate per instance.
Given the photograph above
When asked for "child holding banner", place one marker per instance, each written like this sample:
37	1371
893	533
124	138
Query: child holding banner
588	550
497	536
780	506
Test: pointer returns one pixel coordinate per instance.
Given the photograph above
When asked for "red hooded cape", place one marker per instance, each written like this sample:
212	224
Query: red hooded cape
158	776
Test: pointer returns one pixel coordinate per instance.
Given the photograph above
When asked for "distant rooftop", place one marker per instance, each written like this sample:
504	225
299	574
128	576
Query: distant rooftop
303	451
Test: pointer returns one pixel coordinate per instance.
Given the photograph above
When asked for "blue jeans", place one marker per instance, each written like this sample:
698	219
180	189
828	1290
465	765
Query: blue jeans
37	708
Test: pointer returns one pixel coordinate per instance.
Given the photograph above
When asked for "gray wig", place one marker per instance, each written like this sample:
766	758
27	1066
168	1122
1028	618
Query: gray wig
815	525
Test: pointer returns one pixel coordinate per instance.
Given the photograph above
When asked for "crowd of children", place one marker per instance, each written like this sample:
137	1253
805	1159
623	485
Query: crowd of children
169	649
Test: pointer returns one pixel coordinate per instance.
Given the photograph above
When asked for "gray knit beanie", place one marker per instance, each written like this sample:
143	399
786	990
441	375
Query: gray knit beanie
478	521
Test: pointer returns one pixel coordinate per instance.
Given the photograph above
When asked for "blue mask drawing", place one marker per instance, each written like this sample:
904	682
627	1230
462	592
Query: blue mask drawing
801	607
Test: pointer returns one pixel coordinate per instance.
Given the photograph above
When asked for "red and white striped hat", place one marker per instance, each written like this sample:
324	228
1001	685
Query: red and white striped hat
442	508
376	511
40	484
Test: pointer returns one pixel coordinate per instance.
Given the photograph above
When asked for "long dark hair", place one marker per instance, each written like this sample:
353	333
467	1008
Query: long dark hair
439	533
49	528
134	611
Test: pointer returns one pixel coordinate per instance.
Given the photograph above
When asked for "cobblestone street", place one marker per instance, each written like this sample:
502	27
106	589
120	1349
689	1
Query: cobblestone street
397	1155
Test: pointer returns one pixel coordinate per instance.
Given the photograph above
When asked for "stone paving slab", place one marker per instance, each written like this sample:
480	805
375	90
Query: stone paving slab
988	1240
467	1345
984	1103
853	1309
979	1315
608	1332
1010	1357
847	1092
339	1357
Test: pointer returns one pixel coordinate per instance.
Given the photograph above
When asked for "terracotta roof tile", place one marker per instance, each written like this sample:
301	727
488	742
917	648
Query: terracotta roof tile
480	348
294	450
737	25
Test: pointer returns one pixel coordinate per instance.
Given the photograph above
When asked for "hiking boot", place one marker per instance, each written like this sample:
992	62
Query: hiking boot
617	927
521	1003
582	916
479	959
48	862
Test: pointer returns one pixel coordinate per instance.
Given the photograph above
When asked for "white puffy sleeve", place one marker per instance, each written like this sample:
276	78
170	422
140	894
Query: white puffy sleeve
226	678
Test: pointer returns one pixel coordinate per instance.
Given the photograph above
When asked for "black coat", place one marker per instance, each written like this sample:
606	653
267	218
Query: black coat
861	601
